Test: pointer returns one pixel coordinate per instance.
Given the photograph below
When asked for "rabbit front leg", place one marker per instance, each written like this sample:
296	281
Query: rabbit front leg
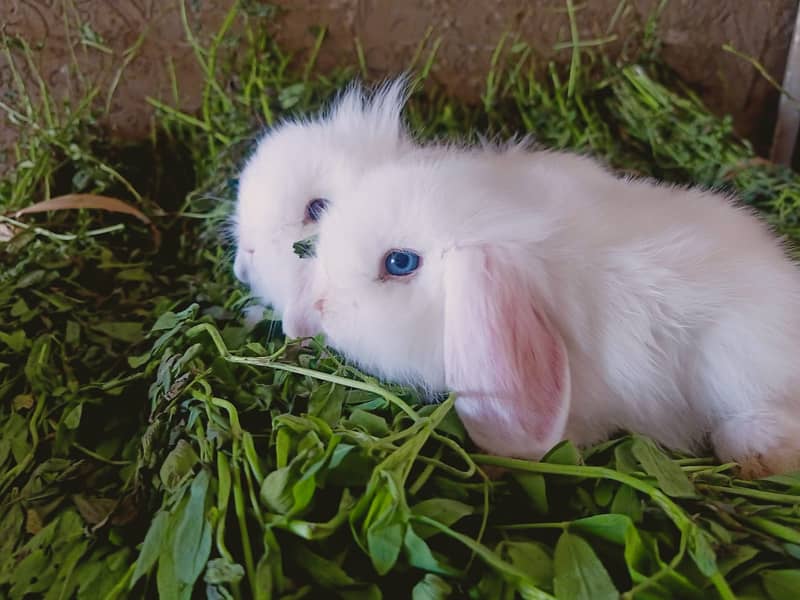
763	443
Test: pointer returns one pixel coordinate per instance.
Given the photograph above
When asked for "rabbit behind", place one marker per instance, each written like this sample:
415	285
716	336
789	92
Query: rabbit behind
286	185
559	301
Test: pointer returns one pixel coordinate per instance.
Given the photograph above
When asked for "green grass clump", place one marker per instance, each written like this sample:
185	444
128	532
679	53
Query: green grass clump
152	442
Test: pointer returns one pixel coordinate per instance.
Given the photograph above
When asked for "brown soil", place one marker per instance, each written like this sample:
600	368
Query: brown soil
389	31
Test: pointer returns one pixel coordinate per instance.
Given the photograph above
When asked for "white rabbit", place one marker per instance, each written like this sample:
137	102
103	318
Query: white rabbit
288	182
560	301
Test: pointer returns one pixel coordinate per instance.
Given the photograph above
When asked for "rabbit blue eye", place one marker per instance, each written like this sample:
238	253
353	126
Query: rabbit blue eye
315	209
401	262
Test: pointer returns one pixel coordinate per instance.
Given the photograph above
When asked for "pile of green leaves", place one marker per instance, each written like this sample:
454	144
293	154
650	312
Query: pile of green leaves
153	440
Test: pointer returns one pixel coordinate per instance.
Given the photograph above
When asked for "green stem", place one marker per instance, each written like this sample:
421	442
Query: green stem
99	457
748	493
575	62
430	467
252	456
223	497
268	362
238	501
526	526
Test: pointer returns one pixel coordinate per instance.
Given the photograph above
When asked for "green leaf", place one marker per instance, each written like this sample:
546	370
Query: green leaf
793	550
782	584
419	555
97	576
372	424
72	419
38	367
31	278
671	478
623	457
349	466
167	582
192	534
134	362
326	402
19	308
16	341
171	320
303	491
535	488
277	489
735	557
291	95
530	558
178	465
565	453
324	572
221	570
154	541
94	510
72	336
168	320
305	248
431	587
612	528
314	531
444	510
369	592
384	543
604	491
627	502
123	331
701	551
579	574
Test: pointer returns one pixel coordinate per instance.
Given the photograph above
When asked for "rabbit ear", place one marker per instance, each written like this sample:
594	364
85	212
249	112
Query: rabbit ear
503	358
380	111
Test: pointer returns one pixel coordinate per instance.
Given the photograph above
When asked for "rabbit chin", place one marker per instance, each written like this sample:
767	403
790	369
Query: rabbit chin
407	359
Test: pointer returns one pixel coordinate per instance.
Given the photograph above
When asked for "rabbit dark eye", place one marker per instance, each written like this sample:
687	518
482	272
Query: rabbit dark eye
315	209
400	263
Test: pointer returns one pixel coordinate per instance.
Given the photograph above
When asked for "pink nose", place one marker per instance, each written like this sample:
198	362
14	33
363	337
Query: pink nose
319	305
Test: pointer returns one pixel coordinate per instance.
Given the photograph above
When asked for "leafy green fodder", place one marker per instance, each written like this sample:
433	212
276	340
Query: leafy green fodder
153	442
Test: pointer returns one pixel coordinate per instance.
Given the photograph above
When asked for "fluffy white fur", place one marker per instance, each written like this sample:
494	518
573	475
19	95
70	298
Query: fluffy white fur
560	301
293	163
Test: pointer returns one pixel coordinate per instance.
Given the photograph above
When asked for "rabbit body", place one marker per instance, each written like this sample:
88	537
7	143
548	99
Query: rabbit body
561	301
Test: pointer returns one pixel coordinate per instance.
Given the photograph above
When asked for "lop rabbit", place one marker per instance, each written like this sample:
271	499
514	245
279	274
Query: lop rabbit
560	301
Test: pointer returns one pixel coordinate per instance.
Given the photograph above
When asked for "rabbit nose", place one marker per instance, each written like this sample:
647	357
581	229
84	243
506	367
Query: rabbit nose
319	305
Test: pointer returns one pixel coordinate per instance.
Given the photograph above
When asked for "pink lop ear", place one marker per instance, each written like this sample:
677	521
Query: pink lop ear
503	357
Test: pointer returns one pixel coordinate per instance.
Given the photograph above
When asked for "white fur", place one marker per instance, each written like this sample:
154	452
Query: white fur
678	310
293	163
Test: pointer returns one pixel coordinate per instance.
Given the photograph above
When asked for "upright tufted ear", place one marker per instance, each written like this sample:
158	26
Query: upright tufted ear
503	357
379	113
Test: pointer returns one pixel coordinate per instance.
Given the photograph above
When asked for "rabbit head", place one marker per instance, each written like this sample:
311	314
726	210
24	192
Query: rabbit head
297	169
425	277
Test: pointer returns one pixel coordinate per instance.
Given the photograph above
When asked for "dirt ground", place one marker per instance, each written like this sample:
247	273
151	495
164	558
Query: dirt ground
693	33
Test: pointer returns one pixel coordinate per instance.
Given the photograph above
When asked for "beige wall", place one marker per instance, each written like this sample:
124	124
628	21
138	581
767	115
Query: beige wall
693	33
